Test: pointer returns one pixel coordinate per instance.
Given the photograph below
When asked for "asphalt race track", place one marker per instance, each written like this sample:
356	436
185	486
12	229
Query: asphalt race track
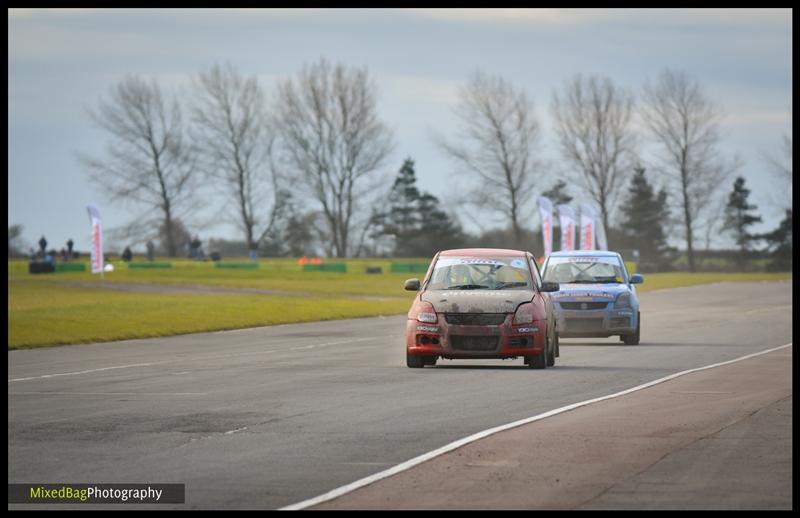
266	417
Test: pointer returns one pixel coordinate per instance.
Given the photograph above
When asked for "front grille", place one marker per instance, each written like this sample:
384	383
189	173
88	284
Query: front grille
583	325
474	343
475	319
583	305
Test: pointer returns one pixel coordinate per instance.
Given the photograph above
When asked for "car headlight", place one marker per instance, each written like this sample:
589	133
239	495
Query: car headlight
623	301
424	312
524	314
427	317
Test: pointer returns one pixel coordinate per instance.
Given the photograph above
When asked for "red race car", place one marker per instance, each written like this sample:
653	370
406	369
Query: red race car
481	303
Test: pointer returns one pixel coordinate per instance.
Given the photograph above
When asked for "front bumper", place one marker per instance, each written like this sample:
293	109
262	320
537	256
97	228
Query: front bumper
595	323
452	341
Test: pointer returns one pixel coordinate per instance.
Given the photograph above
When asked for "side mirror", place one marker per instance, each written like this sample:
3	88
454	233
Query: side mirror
550	286
637	278
412	285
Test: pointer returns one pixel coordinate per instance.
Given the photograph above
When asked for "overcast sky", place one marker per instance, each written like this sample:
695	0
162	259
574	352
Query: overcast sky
60	62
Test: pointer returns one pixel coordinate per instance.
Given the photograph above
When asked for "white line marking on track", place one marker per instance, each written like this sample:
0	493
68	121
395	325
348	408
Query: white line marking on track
86	371
343	490
108	393
230	355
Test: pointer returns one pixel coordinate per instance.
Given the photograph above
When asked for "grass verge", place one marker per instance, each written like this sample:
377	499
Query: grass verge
659	281
40	314
45	313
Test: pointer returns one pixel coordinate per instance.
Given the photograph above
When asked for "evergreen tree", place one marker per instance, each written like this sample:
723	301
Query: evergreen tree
644	214
437	229
403	219
414	219
780	244
739	216
299	236
179	237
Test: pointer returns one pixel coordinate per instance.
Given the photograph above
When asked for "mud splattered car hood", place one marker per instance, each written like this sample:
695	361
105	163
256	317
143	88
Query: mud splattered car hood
477	301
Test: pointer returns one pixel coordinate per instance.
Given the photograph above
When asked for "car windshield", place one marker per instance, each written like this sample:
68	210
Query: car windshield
584	269
480	273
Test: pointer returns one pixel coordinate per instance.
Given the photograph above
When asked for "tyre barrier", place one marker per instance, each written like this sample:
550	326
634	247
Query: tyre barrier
70	267
236	266
409	267
43	267
148	264
327	267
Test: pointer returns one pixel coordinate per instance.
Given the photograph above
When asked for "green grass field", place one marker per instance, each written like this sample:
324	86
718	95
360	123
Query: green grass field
659	281
48	314
73	307
272	274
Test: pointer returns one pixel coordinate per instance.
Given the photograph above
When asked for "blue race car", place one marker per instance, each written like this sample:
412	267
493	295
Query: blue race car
597	297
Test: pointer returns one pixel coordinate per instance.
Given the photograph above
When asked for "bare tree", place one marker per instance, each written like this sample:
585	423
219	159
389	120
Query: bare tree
712	225
14	240
497	145
233	138
147	161
593	122
332	137
781	169
684	124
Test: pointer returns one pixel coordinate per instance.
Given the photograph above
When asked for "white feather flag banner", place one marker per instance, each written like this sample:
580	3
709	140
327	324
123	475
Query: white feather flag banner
566	219
588	217
546	214
97	239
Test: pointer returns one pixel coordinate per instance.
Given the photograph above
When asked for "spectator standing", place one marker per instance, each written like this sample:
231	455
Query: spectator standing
253	251
151	251
43	246
195	247
70	244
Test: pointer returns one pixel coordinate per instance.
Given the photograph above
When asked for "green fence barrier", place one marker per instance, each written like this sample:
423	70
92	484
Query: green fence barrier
409	268
70	267
149	265
237	266
327	267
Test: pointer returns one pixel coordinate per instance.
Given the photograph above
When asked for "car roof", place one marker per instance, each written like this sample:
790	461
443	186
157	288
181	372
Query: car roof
482	252
582	253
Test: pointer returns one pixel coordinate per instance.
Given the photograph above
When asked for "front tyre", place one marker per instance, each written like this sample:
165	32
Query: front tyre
539	361
634	338
414	362
550	352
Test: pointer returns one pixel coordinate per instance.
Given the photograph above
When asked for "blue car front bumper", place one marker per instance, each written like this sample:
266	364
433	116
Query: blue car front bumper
575	323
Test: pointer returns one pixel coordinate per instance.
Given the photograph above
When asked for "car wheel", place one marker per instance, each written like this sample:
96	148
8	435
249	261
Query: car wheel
550	353
538	361
558	348
634	338
430	360
414	362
